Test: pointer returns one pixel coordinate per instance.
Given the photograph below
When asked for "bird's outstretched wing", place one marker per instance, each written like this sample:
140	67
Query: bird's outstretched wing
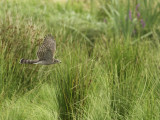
47	49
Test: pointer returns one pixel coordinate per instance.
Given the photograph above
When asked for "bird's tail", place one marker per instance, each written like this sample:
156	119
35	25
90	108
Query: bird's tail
23	61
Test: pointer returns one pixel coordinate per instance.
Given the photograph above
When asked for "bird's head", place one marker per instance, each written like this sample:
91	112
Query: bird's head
56	61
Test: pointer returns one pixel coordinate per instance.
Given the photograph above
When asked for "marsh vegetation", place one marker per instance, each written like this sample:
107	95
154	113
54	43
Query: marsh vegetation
110	57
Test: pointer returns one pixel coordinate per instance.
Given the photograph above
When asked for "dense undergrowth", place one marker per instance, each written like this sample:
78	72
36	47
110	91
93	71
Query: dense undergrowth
109	53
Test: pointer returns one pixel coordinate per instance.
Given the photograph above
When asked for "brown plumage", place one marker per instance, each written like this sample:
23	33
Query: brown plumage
45	53
23	61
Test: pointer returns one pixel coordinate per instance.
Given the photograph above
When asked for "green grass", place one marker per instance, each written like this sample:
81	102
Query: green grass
110	63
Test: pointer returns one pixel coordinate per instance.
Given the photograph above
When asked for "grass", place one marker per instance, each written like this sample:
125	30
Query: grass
110	60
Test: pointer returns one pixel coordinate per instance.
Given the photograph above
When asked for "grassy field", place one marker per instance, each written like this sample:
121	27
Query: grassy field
110	53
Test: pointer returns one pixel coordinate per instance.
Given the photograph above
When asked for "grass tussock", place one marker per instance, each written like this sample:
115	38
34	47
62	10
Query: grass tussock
109	53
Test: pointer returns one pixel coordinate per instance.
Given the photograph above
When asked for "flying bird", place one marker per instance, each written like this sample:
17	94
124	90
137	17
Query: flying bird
45	53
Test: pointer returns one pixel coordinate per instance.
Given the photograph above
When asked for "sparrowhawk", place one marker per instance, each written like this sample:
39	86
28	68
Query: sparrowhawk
45	53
